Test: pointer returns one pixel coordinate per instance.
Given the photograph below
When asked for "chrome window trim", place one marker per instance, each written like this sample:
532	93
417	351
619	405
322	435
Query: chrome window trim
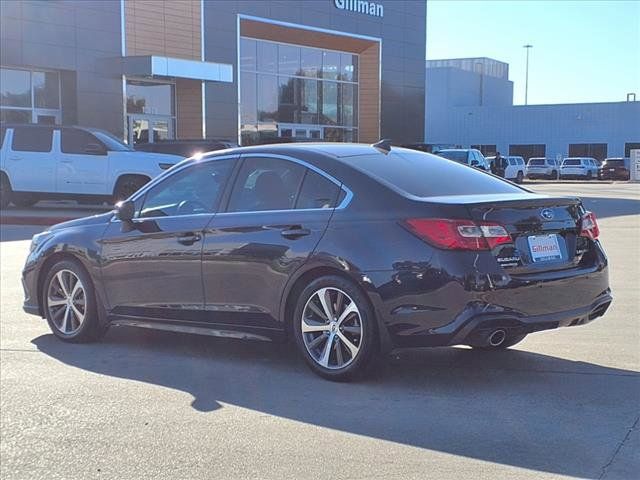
240	156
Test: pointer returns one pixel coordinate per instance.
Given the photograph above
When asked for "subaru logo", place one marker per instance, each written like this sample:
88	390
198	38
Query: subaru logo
547	214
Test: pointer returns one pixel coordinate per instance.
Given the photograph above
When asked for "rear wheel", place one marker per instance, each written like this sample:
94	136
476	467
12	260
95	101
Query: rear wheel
334	328
589	175
554	175
519	177
5	191
69	303
127	186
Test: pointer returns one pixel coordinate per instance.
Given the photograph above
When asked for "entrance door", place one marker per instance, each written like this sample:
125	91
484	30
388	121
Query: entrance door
140	127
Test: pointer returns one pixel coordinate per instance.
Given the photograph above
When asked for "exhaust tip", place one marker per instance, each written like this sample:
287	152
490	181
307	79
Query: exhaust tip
497	338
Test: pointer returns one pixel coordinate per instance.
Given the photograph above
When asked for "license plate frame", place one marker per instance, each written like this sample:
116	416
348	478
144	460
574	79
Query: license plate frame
544	248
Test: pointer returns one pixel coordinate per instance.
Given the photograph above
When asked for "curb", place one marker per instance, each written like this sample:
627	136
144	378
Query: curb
44	221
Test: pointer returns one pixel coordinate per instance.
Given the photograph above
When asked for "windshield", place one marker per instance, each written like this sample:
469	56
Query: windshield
111	141
425	175
571	162
455	155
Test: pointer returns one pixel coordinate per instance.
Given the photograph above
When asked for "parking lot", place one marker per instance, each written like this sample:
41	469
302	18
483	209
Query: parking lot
146	404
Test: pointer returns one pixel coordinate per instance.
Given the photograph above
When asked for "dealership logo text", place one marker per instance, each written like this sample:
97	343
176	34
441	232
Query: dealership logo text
361	6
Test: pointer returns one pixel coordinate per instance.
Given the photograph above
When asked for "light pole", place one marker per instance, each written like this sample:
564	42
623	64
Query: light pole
526	80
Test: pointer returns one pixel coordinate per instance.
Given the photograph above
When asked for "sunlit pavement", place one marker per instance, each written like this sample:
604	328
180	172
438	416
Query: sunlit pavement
147	404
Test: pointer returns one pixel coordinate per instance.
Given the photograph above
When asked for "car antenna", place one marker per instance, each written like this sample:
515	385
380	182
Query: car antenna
383	145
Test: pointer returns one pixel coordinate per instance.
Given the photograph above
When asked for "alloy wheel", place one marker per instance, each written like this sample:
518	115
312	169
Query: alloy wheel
332	328
66	302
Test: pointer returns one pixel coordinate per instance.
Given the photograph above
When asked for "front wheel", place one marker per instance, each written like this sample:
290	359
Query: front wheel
69	303
5	191
589	175
23	200
519	177
554	175
334	328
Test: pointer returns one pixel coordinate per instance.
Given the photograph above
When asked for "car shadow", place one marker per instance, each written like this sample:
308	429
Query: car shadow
510	407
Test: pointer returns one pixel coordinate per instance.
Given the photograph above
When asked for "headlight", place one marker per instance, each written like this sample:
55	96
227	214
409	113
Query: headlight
38	238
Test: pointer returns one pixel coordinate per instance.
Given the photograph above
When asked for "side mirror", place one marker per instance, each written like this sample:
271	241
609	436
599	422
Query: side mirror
125	210
95	149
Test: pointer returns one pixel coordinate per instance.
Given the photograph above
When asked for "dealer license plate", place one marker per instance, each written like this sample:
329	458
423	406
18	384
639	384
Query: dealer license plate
544	248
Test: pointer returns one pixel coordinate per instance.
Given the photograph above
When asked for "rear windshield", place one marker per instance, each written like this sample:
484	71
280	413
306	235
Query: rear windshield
572	162
454	155
536	161
426	175
615	163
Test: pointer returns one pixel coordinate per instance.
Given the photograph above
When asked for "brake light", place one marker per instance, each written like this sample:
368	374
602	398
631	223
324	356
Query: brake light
458	234
589	226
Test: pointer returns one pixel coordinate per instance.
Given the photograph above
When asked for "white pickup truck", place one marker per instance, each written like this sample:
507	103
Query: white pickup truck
40	162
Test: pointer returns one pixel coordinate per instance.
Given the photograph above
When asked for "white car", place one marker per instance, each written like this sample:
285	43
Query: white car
515	170
540	167
579	167
51	162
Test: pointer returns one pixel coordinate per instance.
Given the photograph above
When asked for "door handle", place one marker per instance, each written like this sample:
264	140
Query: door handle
295	232
190	239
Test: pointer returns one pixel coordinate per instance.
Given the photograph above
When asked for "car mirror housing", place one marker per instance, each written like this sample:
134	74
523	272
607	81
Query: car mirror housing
125	210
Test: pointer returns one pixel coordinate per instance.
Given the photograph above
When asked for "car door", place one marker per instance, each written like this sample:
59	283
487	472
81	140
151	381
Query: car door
278	209
83	164
151	265
31	159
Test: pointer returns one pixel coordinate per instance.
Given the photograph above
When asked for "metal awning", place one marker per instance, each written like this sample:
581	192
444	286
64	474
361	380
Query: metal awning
153	65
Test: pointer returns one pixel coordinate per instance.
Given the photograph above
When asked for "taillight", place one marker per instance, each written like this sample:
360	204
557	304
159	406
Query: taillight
589	226
458	234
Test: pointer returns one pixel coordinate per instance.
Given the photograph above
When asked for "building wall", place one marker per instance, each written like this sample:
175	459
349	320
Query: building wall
72	37
402	30
454	117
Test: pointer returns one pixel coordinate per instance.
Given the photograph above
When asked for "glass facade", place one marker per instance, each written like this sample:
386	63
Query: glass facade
291	91
150	108
29	96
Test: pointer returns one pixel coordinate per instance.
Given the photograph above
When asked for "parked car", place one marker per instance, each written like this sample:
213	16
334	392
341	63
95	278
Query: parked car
49	162
579	167
540	167
347	249
185	148
466	156
615	169
515	168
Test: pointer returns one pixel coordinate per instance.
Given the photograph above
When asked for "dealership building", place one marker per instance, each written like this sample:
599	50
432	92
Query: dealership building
469	103
246	71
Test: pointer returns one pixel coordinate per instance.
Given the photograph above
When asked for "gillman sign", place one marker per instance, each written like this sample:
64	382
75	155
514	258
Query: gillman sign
360	6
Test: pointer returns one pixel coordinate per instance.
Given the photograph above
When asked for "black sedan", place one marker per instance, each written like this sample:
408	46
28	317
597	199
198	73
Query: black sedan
348	250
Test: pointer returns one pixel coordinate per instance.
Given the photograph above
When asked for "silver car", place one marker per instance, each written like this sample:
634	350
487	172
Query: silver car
540	167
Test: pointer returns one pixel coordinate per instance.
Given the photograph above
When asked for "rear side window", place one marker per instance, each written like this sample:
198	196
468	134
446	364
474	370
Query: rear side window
32	139
536	162
425	175
76	141
571	162
317	192
266	184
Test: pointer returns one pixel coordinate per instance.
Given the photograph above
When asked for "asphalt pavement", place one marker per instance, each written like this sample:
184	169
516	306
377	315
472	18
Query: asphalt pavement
144	404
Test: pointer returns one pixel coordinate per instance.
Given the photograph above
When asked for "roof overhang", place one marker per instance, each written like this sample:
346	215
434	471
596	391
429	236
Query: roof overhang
153	65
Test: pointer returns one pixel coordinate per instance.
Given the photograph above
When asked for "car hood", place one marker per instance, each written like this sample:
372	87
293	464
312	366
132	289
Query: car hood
135	155
100	219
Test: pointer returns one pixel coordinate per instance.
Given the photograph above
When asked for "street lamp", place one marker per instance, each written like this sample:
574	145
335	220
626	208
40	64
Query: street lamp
526	81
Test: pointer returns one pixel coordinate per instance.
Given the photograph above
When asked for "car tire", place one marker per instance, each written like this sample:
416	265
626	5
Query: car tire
509	341
71	310
554	175
5	191
23	200
519	177
338	350
589	175
127	186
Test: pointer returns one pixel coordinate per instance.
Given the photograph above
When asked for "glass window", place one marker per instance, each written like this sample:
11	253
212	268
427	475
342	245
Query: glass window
348	67
287	94
455	155
329	103
330	65
267	57
248	54
349	104
266	184
46	91
249	106
15	88
334	134
288	60
191	191
74	140
267	98
32	139
317	192
310	62
308	101
151	98
111	142
9	115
